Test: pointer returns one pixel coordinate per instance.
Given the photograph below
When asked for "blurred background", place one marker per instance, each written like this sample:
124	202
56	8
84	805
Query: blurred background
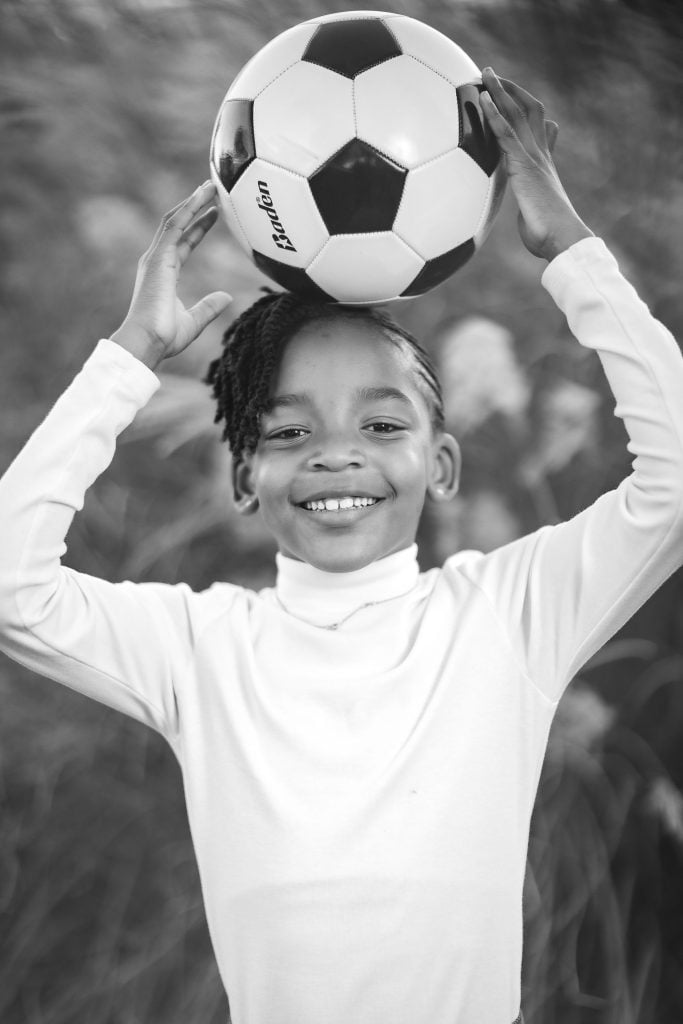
106	111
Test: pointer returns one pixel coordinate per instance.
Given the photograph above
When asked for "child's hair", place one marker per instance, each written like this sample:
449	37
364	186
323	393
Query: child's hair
253	345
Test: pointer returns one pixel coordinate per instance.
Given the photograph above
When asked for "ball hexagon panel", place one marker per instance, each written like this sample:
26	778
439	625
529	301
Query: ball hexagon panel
442	204
437	270
364	269
351	46
291	278
358	190
270	61
277	213
232	145
477	139
303	118
392	116
498	182
228	211
435	50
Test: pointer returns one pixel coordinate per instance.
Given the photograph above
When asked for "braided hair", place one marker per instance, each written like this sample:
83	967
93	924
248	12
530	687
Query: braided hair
252	348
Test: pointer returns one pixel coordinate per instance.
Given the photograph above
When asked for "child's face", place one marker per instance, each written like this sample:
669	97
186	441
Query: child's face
347	420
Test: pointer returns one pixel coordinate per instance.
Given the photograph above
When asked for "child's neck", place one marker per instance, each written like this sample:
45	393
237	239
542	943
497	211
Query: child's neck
325	598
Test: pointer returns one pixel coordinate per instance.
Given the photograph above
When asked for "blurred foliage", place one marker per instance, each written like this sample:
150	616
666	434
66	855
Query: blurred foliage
106	111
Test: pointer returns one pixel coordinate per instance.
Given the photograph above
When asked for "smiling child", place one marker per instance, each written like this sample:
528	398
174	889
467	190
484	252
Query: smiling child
360	744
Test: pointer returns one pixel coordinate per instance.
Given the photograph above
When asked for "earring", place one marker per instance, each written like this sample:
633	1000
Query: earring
247	504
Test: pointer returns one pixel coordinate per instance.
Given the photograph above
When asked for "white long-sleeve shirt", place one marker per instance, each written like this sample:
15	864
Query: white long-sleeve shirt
359	798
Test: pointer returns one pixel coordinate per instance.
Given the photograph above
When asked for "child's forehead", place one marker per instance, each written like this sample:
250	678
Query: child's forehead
346	343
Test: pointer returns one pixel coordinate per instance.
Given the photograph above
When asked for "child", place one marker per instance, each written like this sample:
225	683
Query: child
361	744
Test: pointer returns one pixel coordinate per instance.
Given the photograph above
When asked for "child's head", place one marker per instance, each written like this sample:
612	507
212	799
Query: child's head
320	402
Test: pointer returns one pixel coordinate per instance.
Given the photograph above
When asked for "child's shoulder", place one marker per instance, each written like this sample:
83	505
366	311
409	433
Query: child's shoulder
462	562
196	609
463	557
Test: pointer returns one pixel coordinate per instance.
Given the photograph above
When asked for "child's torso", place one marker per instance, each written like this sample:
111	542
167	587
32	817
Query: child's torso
359	800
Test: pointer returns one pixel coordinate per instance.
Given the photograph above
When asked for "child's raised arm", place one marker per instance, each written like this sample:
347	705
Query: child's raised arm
121	643
563	591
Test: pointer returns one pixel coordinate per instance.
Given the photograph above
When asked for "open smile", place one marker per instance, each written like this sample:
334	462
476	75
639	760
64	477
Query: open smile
335	505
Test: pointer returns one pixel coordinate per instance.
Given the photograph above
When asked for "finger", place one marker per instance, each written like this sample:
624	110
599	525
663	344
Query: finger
194	234
500	126
175	221
552	129
208	309
516	115
531	106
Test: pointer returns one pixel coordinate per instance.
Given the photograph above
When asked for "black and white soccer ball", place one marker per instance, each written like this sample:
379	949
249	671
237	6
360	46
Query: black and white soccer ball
352	160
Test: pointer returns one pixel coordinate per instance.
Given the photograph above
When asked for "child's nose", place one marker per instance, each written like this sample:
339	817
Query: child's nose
337	452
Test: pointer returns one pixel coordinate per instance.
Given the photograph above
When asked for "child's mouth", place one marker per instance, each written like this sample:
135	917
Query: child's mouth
339	504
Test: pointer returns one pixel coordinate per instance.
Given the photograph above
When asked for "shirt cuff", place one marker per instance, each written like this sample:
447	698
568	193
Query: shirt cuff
586	252
143	381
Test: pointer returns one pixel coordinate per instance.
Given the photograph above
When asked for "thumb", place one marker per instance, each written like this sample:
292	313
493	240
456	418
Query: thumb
551	132
208	309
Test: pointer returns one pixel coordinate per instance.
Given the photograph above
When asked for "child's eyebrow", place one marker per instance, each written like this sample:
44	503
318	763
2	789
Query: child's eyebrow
366	394
376	394
286	400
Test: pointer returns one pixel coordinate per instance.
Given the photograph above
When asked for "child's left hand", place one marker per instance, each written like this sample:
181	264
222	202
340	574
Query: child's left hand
548	223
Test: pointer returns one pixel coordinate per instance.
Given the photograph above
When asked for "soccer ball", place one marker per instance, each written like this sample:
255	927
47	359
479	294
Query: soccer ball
352	160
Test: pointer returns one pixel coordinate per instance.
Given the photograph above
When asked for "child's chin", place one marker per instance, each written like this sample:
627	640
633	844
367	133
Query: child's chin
342	557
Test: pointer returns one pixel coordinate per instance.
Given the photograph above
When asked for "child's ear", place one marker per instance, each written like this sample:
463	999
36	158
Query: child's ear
445	470
245	499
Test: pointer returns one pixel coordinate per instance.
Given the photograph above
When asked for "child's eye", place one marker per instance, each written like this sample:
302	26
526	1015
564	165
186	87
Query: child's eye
287	434
382	427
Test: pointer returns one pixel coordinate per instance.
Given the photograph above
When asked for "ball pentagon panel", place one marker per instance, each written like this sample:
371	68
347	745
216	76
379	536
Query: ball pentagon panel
292	278
270	61
351	46
476	137
435	50
278	215
301	120
437	270
364	269
232	145
443	204
324	19
391	113
358	190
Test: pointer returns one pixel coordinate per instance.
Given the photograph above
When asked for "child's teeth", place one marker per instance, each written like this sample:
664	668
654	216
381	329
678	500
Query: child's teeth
339	504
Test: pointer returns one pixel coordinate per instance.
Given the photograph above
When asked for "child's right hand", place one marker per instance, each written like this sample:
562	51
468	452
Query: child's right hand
157	324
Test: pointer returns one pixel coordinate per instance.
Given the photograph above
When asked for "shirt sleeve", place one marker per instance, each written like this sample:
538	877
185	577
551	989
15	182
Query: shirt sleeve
121	643
561	592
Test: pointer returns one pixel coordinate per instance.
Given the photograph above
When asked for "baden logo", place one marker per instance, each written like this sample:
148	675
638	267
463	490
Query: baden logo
265	203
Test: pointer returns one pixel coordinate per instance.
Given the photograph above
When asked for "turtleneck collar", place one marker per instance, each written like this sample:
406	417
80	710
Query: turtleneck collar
325	597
